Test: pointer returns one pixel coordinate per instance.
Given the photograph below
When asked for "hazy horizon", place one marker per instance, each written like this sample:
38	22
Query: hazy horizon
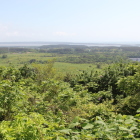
89	21
37	44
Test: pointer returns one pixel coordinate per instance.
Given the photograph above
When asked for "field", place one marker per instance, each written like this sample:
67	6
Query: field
19	59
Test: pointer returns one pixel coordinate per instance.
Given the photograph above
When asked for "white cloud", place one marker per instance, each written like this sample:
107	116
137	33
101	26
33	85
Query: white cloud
63	34
14	33
60	33
3	28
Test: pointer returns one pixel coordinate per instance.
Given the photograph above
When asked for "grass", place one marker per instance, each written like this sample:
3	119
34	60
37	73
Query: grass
73	68
18	59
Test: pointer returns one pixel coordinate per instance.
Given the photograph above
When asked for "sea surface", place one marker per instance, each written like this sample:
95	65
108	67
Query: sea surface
57	43
135	59
26	44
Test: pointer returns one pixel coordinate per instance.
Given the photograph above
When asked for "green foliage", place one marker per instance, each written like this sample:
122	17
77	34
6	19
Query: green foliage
30	127
4	56
105	80
44	72
35	105
27	71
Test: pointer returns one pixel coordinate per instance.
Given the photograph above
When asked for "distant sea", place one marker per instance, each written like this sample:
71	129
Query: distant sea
26	44
6	44
135	59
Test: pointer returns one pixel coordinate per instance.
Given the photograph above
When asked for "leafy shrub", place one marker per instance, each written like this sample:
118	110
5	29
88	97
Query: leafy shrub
4	56
35	105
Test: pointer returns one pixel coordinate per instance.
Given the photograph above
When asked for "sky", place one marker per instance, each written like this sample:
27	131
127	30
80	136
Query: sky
70	20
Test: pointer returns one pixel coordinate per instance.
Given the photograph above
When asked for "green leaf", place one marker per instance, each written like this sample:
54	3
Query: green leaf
66	131
88	126
123	128
128	121
73	124
138	111
133	128
100	122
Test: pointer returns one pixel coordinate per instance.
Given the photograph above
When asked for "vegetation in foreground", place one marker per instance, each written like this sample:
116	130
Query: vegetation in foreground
35	104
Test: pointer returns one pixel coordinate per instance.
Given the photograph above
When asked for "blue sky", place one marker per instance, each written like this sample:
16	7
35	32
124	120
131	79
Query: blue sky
70	20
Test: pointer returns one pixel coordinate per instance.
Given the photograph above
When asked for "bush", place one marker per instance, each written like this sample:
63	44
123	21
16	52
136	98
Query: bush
4	56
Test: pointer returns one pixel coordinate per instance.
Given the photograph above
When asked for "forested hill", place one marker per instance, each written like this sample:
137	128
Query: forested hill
63	46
